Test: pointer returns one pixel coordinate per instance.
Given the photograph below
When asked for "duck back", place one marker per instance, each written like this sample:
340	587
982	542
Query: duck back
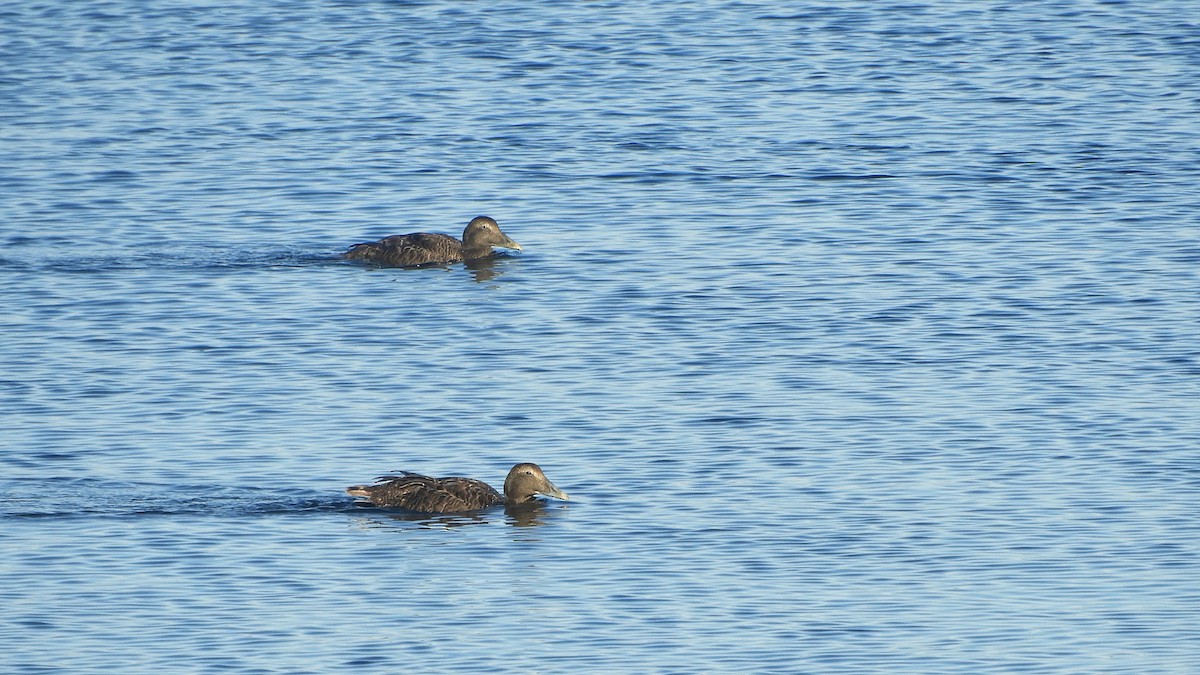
408	250
426	494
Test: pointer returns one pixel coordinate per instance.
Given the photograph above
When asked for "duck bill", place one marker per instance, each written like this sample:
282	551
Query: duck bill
551	491
509	243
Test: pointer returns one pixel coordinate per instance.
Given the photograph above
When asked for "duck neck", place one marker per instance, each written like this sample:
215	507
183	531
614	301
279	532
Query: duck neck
471	252
510	500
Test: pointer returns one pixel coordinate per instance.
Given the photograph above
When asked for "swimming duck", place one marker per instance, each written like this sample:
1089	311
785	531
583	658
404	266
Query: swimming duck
415	492
423	248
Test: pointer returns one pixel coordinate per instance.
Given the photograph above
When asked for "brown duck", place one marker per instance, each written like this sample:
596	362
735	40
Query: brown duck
423	248
415	492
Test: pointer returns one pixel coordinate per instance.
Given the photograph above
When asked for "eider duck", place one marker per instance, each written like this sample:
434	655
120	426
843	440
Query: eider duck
425	494
423	248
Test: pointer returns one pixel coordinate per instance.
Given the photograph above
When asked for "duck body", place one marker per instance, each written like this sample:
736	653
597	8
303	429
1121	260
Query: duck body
454	494
426	494
424	248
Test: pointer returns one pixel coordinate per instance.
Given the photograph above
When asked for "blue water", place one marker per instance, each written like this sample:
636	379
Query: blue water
864	336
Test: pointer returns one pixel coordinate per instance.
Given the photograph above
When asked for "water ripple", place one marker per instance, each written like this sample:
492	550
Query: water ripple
863	334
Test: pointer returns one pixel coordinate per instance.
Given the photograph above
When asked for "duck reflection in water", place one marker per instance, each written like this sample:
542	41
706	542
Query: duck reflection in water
485	269
527	515
455	494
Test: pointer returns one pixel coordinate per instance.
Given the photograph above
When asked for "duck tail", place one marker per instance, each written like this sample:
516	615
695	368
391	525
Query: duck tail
361	251
359	490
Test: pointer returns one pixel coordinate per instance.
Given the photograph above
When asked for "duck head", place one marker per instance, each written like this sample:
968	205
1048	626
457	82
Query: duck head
525	482
483	232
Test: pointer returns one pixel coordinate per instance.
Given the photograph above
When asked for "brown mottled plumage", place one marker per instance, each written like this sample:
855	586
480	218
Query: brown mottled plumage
422	248
415	492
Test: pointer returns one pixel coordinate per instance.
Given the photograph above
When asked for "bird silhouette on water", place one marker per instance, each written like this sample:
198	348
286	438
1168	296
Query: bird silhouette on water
424	248
454	494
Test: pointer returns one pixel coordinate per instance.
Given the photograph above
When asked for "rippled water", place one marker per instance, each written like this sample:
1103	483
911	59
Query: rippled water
864	336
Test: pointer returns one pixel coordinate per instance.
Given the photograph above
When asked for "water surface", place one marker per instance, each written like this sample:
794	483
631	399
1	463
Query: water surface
863	336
